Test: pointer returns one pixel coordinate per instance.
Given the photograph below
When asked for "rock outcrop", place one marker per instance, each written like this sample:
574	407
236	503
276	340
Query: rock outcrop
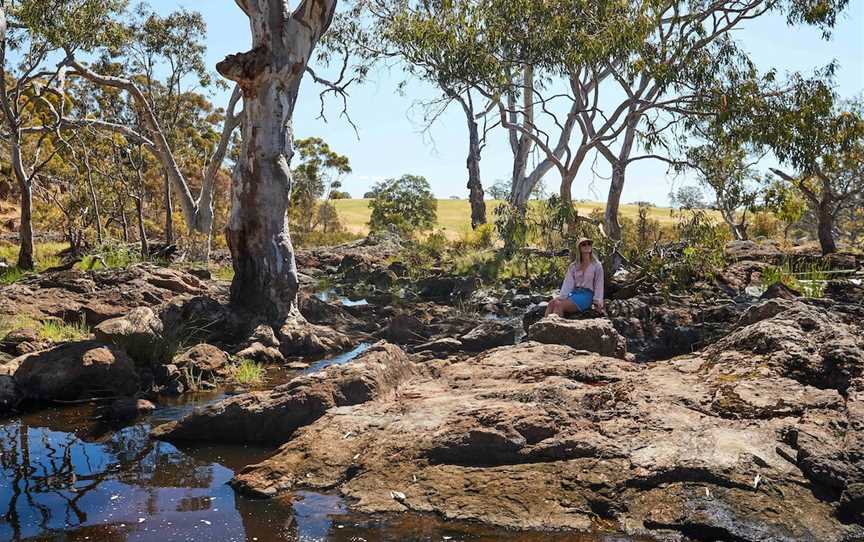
758	437
298	337
273	416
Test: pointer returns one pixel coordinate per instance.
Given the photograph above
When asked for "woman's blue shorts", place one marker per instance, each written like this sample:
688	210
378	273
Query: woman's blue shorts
582	298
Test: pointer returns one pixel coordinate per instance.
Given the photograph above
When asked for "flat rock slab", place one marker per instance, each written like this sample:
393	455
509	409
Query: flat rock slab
757	438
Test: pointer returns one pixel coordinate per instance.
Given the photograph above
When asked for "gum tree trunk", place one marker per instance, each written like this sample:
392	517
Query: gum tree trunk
613	202
169	211
619	171
475	185
25	231
265	273
825	226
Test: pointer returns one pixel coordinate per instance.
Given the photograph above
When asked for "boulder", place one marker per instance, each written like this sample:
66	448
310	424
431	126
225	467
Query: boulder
260	353
764	251
22	341
9	396
778	290
76	370
204	361
447	288
125	409
317	311
405	329
261	346
488	335
297	337
534	314
594	335
445	345
740	274
139	333
272	416
201	319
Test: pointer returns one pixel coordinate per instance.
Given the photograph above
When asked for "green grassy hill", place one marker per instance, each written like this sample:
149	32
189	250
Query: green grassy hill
454	216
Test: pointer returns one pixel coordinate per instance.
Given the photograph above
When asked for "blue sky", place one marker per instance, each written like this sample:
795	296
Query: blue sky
391	142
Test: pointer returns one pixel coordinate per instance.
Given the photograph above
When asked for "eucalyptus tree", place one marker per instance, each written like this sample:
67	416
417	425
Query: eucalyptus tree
625	72
723	165
316	176
445	43
31	89
811	131
166	53
197	211
269	74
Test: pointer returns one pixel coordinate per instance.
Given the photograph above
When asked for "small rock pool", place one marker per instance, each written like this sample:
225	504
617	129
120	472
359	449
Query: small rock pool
63	479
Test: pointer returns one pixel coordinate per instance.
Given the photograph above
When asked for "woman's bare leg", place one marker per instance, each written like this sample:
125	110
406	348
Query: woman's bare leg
565	306
561	307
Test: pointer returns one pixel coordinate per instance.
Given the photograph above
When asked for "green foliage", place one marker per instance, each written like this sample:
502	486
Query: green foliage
111	257
72	24
223	272
696	255
53	330
809	279
316	178
59	331
248	373
12	275
480	238
405	204
765	225
786	203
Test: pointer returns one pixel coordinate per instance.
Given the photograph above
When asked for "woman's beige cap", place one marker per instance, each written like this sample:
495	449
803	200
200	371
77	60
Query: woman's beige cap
584	240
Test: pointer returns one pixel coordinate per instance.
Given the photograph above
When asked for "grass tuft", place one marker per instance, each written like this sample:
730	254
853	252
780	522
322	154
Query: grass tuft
58	331
248	373
223	272
809	279
12	275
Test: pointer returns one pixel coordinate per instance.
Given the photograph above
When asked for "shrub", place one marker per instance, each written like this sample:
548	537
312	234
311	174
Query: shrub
405	204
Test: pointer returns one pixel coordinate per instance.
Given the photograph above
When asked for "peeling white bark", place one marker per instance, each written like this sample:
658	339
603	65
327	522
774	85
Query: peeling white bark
269	75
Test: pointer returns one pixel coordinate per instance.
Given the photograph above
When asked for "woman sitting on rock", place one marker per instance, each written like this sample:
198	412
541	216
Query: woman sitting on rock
583	284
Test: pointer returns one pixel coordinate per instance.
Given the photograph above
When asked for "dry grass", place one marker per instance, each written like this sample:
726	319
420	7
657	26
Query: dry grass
454	216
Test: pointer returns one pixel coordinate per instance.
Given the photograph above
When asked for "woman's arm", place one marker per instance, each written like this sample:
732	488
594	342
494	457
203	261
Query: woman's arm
598	285
569	281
